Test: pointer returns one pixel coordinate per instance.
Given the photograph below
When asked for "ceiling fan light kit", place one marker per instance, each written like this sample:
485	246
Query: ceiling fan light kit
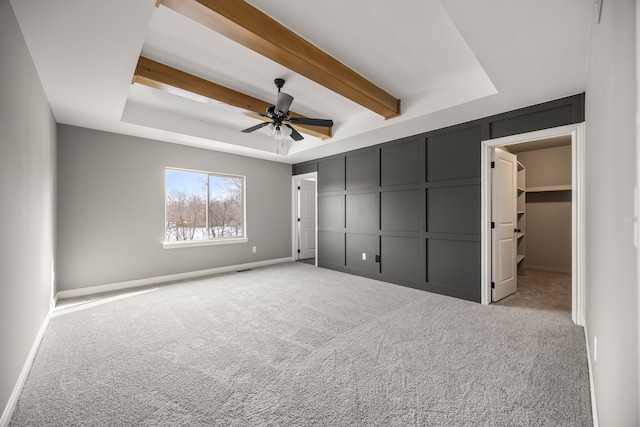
269	129
285	131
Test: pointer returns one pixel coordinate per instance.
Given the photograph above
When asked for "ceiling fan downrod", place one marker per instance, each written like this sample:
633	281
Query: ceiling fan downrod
279	84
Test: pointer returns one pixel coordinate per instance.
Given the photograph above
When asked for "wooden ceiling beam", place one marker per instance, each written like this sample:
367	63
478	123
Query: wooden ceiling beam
159	76
243	23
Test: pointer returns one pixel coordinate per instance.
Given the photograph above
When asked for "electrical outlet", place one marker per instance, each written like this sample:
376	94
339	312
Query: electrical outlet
364	256
595	349
254	249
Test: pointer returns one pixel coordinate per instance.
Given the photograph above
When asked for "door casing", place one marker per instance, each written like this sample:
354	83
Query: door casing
577	133
294	213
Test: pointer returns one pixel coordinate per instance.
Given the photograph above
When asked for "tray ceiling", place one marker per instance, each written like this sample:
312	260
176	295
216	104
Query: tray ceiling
446	61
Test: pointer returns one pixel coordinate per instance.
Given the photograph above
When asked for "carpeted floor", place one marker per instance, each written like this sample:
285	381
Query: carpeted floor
542	290
295	345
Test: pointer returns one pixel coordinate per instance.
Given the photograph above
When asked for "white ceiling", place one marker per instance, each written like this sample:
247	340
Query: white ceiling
449	61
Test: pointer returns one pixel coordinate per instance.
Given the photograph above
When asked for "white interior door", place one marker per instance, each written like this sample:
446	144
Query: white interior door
504	218
307	219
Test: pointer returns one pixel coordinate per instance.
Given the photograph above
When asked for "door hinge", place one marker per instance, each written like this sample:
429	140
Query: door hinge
298	250
493	224
298	219
298	187
493	285
377	258
493	165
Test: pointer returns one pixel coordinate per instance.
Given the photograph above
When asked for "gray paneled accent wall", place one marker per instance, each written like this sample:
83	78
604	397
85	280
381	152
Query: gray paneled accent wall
408	211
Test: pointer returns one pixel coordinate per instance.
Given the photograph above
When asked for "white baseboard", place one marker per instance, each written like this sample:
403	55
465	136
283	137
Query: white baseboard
163	279
594	409
17	389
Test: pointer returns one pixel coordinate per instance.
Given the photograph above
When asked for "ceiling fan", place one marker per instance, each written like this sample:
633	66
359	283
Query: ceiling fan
280	124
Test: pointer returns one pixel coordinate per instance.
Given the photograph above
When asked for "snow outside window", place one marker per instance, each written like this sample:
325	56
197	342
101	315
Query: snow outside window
203	206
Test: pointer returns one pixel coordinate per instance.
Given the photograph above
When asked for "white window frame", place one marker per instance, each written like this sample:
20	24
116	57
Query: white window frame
210	241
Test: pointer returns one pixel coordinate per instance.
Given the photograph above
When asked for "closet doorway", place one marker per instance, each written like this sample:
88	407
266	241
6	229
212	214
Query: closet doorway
305	223
548	231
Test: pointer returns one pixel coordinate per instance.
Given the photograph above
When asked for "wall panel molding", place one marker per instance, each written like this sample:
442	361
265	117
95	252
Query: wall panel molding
415	202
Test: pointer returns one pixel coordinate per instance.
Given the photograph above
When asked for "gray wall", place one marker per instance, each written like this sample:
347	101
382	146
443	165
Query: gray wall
27	191
111	208
548	214
612	282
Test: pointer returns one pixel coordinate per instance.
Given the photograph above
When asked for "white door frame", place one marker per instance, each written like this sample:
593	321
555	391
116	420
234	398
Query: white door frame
294	212
577	133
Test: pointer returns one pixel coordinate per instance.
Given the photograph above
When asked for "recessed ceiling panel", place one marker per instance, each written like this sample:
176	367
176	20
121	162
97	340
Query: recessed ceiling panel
448	61
405	49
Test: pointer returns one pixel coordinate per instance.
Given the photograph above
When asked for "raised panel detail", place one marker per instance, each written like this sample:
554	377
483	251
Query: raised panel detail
402	257
363	211
421	208
508	267
454	154
331	174
331	211
529	122
400	210
303	168
330	248
363	169
454	264
401	163
454	209
359	244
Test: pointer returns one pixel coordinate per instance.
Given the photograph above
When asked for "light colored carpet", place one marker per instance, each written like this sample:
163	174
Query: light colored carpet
295	345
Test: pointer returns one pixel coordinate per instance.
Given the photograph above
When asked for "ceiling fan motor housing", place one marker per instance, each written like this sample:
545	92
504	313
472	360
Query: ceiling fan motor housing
279	113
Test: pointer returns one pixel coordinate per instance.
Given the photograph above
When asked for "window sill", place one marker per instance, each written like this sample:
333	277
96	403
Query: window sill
194	243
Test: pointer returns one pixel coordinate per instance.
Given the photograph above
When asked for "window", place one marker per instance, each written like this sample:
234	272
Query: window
204	207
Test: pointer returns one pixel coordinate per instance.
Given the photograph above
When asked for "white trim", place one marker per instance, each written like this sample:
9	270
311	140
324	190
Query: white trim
163	279
206	242
245	230
578	209
17	389
486	153
577	133
592	386
295	179
294	215
485	230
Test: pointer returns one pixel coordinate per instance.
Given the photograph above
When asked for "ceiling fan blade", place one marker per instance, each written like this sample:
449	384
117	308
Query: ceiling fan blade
284	102
295	135
312	122
255	113
256	127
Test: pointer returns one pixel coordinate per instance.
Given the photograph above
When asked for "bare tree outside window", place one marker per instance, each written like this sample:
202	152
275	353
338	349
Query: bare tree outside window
225	206
203	206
